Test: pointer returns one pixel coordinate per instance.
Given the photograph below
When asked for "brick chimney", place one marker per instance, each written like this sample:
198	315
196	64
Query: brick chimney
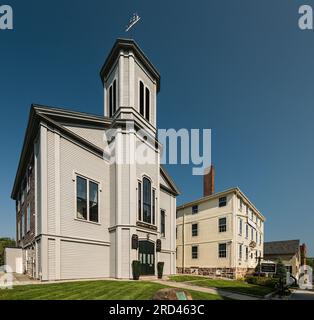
209	181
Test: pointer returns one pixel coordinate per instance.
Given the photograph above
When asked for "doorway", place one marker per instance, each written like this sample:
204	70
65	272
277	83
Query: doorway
147	257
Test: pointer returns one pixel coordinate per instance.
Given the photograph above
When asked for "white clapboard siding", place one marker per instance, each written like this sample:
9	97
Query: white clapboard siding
51	259
126	253
84	260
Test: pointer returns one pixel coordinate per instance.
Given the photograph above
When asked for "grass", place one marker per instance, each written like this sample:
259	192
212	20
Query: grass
93	290
227	285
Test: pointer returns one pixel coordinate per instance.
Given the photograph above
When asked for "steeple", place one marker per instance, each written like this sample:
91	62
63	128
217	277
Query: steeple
131	84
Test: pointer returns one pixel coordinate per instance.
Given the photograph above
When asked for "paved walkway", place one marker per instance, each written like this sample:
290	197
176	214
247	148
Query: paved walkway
299	294
223	293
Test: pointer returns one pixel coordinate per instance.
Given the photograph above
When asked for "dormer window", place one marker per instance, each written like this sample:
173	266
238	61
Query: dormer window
113	99
144	101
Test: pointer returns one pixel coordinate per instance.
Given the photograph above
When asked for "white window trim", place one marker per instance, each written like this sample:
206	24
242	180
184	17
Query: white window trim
87	191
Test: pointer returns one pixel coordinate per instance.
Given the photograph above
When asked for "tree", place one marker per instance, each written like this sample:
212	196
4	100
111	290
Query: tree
5	243
281	271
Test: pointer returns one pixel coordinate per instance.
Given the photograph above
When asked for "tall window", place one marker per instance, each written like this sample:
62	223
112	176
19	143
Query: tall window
240	251
144	101
246	230
87	207
246	253
147	200
18	230
222	224
222	250
141	98
194	252
154	205
162	223
252	234
194	229
93	201
147	104
240	227
139	197
113	99
22	224
28	218
110	102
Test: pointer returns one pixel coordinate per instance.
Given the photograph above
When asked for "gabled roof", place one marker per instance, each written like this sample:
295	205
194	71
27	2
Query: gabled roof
54	117
288	247
128	44
171	186
235	190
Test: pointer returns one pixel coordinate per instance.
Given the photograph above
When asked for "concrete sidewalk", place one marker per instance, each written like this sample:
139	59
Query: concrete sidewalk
223	293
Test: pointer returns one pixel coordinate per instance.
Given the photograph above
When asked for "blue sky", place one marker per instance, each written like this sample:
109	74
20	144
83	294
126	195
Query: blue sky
242	68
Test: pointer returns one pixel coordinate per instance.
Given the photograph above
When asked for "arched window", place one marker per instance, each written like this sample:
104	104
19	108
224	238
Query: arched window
147	106
147	200
141	98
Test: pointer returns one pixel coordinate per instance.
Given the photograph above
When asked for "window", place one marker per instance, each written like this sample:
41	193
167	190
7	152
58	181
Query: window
176	232
222	201
240	227
194	229
246	253
22	225
195	209
256	236
81	198
93	201
110	102
222	250
139	197
222	224
113	99
246	230
241	204
28	218
147	200
154	205
141	98
194	252
87	200
18	230
260	238
114	96
252	234
144	101
147	101
162	223
240	251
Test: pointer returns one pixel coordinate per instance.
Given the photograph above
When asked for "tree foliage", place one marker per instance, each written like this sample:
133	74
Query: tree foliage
281	270
5	243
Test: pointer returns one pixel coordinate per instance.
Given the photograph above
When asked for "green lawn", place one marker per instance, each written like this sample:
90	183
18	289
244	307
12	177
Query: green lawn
228	285
92	290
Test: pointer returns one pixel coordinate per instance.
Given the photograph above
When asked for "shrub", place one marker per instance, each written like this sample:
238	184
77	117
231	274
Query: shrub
160	269
263	281
136	268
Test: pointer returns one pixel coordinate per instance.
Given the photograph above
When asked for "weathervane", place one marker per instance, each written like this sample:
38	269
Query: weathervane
136	18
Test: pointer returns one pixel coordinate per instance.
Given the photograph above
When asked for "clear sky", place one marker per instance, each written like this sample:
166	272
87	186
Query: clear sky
242	68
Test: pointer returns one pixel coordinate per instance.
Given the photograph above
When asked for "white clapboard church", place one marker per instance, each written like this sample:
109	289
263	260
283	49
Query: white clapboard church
85	209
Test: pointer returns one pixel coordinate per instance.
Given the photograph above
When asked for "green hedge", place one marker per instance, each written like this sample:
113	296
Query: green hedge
262	281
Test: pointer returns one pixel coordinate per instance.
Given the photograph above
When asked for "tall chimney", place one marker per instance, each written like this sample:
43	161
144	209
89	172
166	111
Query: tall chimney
209	181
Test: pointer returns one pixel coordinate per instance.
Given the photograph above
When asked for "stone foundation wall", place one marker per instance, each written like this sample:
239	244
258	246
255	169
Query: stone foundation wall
230	273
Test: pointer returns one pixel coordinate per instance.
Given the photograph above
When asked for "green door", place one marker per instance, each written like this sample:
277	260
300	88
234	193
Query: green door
147	257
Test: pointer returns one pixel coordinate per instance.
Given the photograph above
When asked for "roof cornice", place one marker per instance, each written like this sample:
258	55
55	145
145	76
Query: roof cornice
128	44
